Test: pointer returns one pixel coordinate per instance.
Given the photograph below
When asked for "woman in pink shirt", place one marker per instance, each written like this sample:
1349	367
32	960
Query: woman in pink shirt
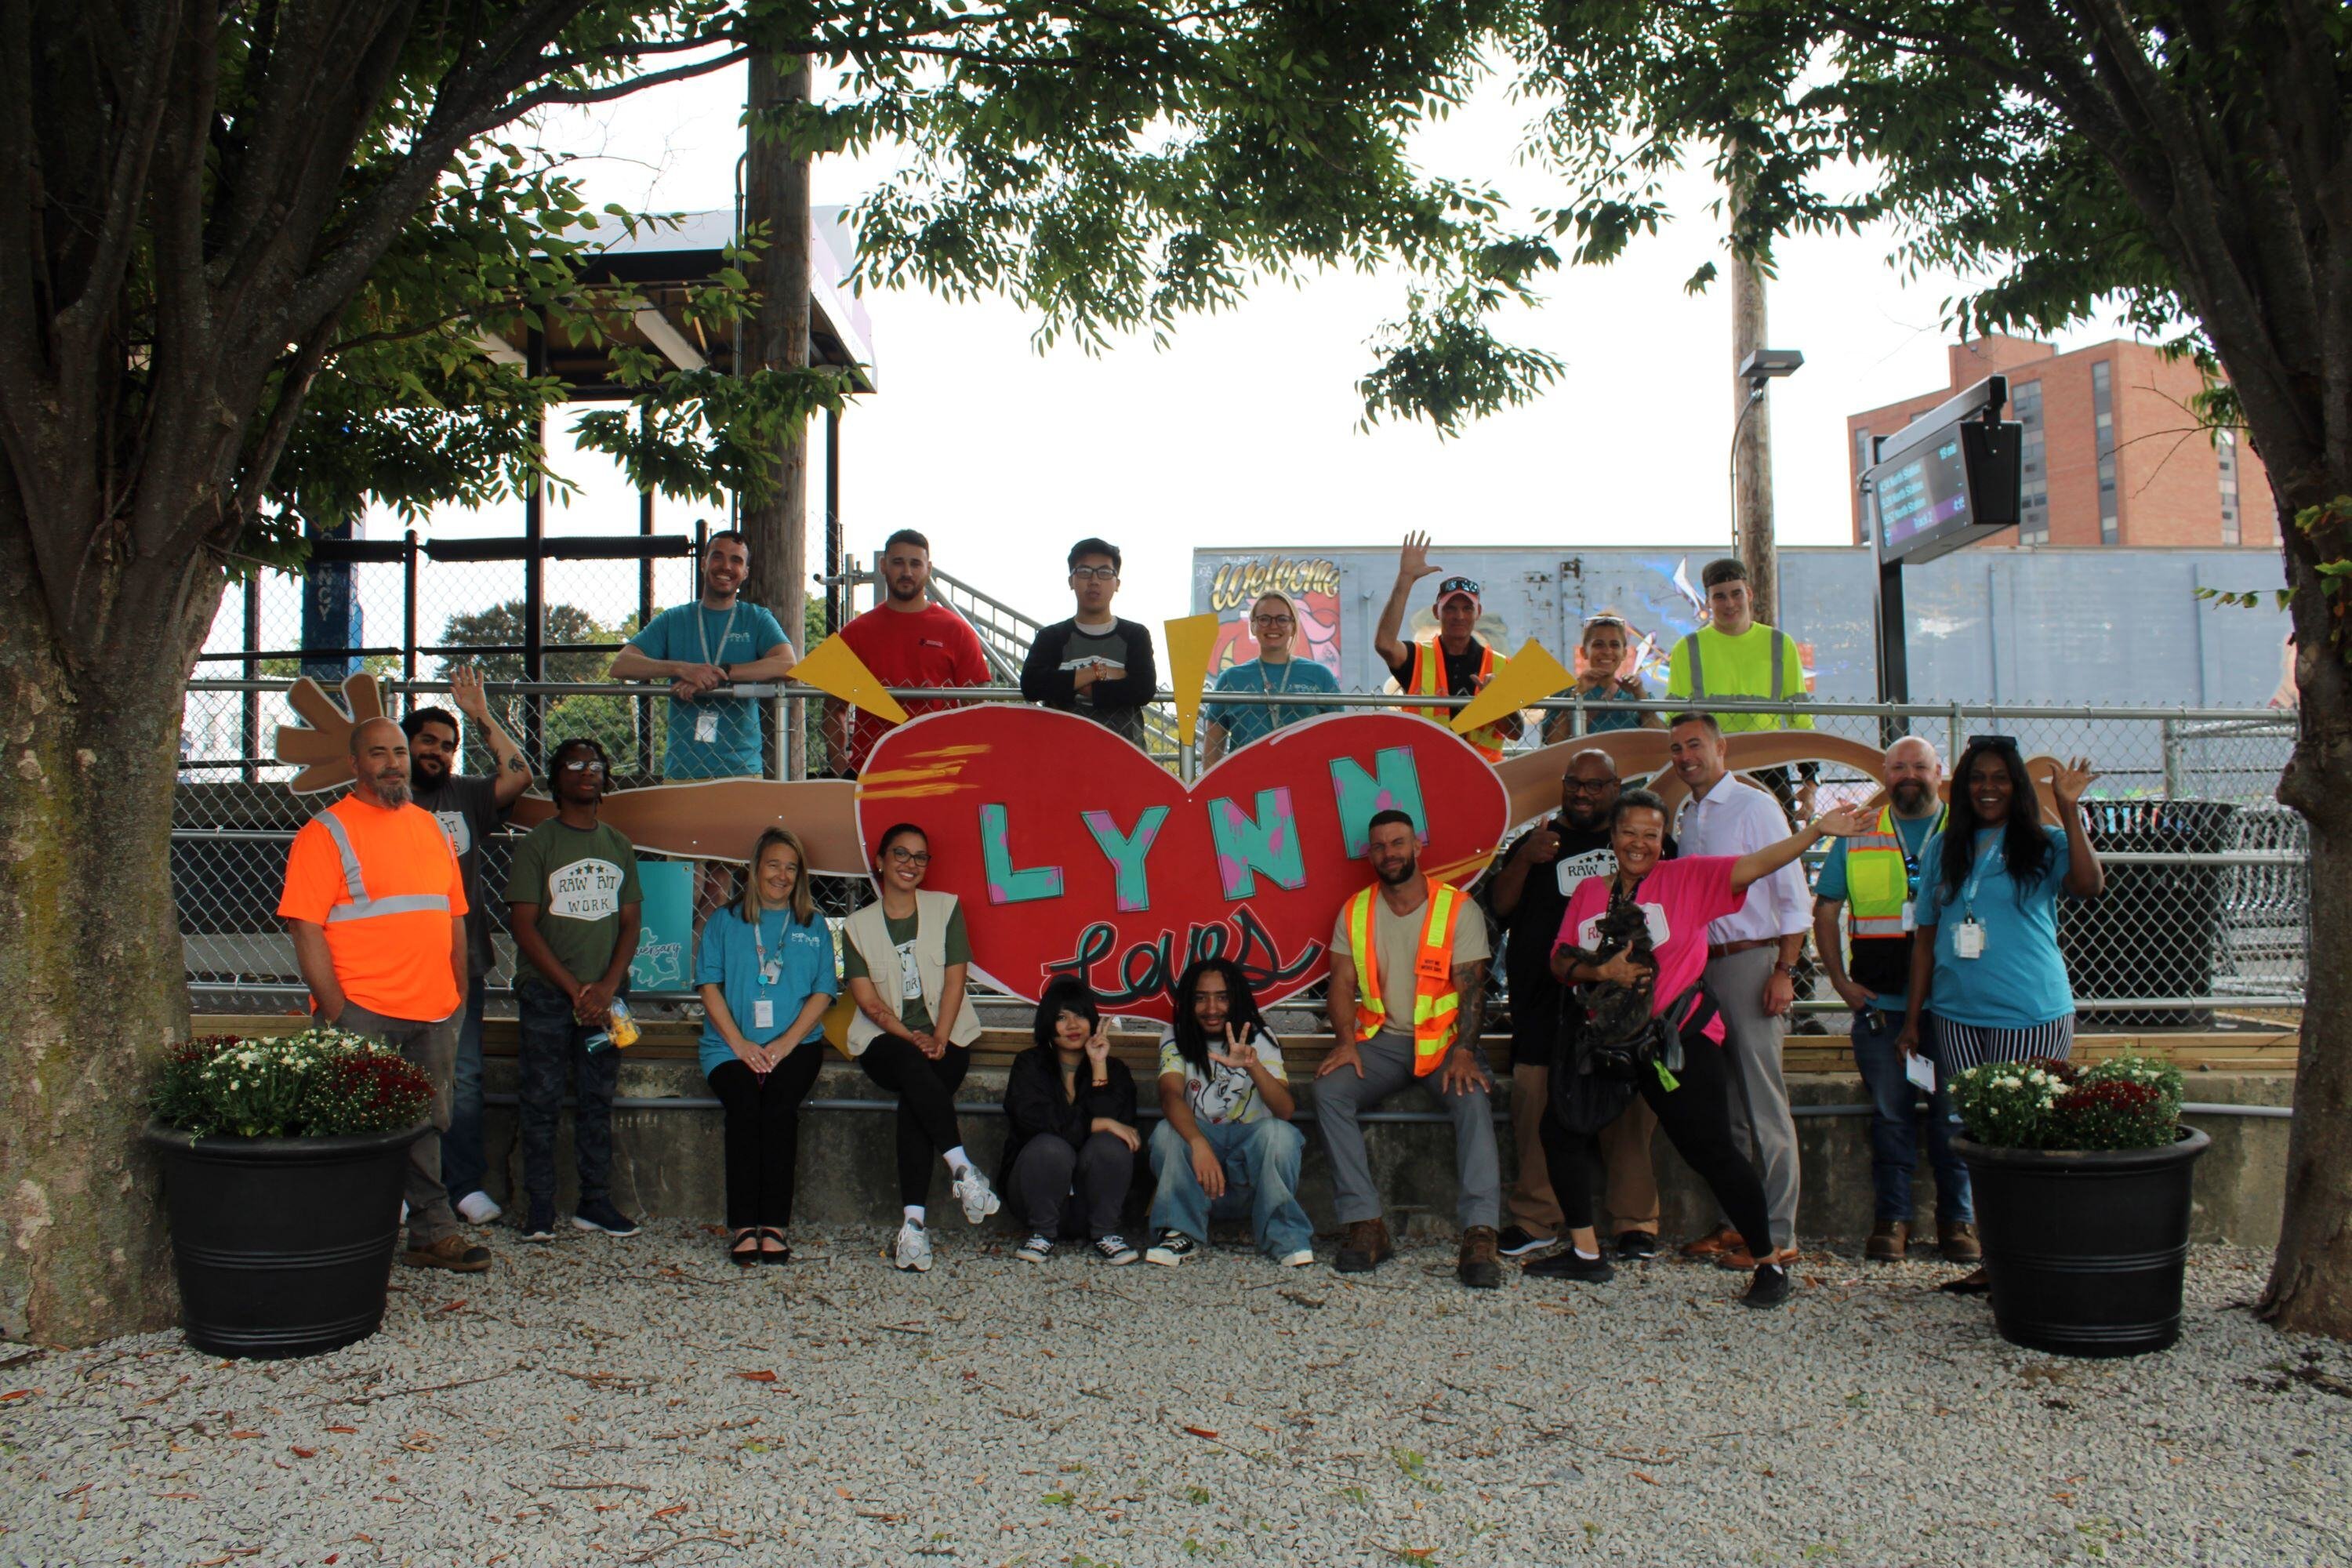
1677	899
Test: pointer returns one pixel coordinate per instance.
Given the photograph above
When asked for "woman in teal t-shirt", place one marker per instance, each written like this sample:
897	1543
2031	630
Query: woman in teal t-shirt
1985	971
765	970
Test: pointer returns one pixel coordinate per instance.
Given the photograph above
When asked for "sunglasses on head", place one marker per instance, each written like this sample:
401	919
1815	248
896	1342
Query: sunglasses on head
1459	585
1994	742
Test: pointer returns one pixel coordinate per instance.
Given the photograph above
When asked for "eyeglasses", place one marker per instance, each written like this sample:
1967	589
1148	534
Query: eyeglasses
1093	574
1459	585
583	765
1272	623
1994	742
910	857
1587	786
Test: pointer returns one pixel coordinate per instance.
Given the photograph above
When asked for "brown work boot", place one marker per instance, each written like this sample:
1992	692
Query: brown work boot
1740	1259
1720	1240
1958	1238
1366	1244
452	1252
1890	1241
1480	1266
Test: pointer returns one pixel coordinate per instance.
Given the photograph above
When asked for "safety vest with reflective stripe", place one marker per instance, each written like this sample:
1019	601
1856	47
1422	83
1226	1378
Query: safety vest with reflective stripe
362	907
1698	669
1435	1002
1878	882
1429	680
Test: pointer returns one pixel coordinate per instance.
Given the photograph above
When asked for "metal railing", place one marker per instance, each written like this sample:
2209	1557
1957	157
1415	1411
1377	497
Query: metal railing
2206	917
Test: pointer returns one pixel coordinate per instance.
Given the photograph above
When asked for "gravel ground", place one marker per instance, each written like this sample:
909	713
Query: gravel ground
603	1402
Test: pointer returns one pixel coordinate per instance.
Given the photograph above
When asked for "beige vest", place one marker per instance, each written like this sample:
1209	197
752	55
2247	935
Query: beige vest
870	932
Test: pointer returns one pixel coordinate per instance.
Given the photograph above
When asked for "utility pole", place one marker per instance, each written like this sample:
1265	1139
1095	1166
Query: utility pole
1751	458
776	195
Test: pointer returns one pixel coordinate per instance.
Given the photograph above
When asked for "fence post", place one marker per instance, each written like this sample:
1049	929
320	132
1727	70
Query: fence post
409	612
1954	739
2171	731
779	738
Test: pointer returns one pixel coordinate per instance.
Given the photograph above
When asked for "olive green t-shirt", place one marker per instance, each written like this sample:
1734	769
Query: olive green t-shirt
913	1011
579	878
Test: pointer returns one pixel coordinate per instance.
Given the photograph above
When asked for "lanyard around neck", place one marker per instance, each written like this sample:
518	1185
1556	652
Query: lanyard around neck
725	629
1991	854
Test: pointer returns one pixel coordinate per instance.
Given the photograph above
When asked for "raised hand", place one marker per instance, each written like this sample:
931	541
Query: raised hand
1846	821
1099	1047
466	690
1412	561
2069	780
1238	1053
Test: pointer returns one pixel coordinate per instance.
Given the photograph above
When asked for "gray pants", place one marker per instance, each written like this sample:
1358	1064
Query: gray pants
432	1049
1341	1098
1760	1124
1053	1177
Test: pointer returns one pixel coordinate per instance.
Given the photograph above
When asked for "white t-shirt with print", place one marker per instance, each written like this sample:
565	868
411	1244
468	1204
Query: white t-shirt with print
1224	1094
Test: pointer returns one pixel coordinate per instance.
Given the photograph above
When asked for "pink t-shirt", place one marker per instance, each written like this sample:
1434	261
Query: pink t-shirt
1680	897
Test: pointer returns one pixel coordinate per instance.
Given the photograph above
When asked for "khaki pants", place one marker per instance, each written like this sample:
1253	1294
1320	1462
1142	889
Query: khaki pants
1632	1200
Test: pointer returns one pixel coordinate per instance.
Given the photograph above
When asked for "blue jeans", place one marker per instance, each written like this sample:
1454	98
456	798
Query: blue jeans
1893	1137
462	1160
1260	1163
554	1046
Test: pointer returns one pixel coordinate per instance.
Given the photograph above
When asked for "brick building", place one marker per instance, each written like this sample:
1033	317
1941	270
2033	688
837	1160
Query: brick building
2111	454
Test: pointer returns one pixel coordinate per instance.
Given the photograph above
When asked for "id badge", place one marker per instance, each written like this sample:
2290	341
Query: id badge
706	728
1969	941
1910	915
763	1014
1921	1071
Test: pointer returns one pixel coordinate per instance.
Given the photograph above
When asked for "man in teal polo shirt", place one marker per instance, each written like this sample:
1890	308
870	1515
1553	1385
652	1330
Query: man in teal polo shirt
717	641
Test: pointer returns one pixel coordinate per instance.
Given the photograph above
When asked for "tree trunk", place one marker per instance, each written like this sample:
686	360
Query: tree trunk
1752	486
87	919
776	193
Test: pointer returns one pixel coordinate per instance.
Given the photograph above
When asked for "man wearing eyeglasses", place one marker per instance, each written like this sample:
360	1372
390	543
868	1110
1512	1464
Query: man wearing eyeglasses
1457	664
1528	895
1094	663
1273	622
572	898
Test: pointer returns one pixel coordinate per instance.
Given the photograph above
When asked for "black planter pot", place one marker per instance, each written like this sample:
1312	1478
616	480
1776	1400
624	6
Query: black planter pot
2086	1248
283	1246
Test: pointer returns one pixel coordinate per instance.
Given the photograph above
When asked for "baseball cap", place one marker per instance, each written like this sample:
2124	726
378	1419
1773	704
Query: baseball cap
1467	588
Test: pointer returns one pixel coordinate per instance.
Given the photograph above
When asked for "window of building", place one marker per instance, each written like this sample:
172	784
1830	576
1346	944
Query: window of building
2103	410
2225	448
2033	500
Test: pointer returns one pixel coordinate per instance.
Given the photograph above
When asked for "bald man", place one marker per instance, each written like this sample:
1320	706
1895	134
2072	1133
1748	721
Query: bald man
377	906
1874	880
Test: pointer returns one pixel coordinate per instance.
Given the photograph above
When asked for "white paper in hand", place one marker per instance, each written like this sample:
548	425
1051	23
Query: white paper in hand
1921	1071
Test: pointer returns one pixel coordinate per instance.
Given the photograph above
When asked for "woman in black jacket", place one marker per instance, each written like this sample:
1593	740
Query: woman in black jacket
1070	1138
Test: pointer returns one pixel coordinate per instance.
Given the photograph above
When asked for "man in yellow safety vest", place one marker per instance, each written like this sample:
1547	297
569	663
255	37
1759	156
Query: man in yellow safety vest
1457	664
1874	879
1407	997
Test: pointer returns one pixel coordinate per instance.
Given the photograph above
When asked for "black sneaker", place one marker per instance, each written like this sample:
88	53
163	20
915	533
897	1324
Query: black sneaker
1636	1245
601	1216
1566	1263
1770	1288
538	1225
1170	1249
1515	1242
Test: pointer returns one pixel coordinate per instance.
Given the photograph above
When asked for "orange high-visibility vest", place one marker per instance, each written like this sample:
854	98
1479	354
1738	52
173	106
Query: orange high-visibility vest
1435	1002
1429	680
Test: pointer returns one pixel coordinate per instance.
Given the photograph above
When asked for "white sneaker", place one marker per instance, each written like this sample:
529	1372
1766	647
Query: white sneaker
1302	1258
913	1251
1115	1249
479	1208
1036	1249
972	1190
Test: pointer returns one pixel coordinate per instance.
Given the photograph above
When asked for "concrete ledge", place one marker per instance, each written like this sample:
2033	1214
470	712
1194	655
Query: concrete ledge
666	1157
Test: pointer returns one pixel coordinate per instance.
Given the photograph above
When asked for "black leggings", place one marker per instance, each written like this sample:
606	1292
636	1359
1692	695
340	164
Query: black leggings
1696	1118
926	1091
763	1121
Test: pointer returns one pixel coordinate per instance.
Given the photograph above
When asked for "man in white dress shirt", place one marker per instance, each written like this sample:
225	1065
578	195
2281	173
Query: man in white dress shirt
1752	959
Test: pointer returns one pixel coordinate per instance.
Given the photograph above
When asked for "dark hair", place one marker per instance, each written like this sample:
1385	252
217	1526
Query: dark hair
420	717
1066	993
1638	800
1382	818
1714	725
1724	571
892	834
906	536
2024	848
1240	1009
735	534
1097	547
594	744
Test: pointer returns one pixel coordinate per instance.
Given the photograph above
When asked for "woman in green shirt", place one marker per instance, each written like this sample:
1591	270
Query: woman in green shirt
906	959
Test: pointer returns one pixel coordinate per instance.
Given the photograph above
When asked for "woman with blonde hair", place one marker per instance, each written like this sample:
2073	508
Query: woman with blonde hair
766	973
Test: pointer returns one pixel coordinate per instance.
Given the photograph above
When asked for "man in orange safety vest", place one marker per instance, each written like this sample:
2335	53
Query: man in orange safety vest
1458	663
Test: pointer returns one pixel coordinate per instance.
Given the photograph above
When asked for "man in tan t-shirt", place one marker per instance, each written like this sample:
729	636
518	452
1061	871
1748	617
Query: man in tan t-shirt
1427	960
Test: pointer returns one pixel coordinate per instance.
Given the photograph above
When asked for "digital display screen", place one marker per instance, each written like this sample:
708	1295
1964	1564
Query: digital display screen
1930	487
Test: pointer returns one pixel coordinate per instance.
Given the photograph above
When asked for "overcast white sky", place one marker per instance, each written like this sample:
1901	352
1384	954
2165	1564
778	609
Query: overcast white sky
1243	432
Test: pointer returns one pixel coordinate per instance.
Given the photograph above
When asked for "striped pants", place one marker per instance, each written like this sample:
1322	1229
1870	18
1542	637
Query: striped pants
1960	1046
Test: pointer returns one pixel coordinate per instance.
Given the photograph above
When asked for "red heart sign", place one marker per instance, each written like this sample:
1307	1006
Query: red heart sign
1073	853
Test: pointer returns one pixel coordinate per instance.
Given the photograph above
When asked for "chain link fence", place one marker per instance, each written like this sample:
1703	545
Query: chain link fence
2204	921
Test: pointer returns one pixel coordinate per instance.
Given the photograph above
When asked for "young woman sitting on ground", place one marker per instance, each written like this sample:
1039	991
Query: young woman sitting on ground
1070	1136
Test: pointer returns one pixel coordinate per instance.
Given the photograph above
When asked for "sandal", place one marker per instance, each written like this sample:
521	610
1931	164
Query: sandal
744	1250
1976	1282
782	1253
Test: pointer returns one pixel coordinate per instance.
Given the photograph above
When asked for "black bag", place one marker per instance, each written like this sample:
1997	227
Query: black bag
1610	1037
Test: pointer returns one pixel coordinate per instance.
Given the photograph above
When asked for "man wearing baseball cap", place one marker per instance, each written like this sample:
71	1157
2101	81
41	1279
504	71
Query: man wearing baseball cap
1457	664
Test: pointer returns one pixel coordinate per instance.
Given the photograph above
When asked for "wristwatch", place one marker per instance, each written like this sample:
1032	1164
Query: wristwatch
1779	968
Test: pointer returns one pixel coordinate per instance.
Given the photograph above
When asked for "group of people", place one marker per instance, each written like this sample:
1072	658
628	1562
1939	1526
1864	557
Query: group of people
1615	908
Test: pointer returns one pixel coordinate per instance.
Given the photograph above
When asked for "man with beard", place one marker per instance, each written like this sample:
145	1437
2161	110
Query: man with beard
718	640
1528	895
1407	997
909	639
469	810
376	906
1875	880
